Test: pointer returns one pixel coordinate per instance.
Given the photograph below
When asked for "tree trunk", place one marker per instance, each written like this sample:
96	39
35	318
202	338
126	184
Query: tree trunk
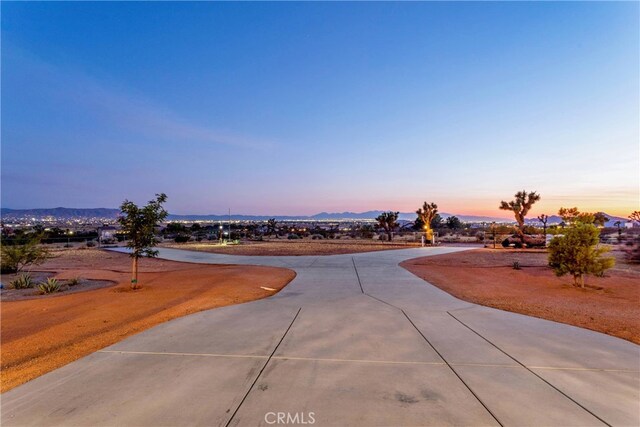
134	273
389	235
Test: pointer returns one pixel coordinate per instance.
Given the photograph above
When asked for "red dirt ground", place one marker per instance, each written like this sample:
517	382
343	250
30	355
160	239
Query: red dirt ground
44	333
610	304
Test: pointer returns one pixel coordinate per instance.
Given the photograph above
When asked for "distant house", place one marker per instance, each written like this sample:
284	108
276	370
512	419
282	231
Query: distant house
107	234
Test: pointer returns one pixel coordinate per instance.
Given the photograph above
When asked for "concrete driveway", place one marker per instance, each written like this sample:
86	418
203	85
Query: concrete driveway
354	340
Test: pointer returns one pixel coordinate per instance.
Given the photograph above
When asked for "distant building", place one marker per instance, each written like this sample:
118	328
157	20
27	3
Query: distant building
107	234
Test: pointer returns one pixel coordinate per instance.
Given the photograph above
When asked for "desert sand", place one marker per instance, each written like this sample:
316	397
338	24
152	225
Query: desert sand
284	247
609	304
44	333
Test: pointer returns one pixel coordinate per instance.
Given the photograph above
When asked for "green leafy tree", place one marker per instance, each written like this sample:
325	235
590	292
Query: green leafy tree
569	215
427	213
139	223
577	253
25	250
454	223
600	219
175	228
520	206
388	221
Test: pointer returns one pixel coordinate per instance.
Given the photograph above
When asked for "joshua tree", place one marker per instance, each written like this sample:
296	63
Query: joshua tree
272	227
635	216
387	221
544	219
618	224
139	224
520	206
427	214
436	222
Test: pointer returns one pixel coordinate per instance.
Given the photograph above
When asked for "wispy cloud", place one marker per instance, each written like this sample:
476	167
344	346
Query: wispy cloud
126	110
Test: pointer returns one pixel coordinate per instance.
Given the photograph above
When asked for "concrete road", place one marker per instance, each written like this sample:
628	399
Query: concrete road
354	340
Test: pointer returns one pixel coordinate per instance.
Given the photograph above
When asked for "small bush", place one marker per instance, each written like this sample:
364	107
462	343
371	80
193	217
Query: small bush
577	253
17	256
181	238
317	237
91	244
293	236
632	250
49	287
74	281
516	265
23	281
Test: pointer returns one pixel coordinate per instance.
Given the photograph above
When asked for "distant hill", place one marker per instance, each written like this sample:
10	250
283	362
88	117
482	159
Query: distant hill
67	213
107	213
555	219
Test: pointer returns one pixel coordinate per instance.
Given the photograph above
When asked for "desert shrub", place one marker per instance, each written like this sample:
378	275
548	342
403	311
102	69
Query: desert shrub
480	236
293	236
516	265
74	281
632	250
182	238
317	237
577	253
23	281
14	257
91	244
50	286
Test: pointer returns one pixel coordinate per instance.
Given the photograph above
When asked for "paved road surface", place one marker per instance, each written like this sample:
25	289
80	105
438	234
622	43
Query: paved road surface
354	340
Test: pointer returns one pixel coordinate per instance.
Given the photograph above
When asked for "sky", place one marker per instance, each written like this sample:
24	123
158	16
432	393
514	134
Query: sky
297	108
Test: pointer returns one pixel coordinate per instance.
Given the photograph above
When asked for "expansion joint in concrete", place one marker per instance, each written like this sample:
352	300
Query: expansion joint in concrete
443	359
263	368
357	275
528	369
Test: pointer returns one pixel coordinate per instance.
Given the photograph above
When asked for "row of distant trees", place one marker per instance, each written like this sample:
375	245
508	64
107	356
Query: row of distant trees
576	252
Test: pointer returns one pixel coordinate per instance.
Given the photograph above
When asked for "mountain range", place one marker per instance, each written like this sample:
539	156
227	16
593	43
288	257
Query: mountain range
108	213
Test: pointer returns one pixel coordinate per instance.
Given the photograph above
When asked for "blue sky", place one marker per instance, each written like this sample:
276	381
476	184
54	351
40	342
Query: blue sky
295	108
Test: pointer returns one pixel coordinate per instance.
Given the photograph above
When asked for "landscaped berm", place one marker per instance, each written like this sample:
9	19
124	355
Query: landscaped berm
42	333
522	282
